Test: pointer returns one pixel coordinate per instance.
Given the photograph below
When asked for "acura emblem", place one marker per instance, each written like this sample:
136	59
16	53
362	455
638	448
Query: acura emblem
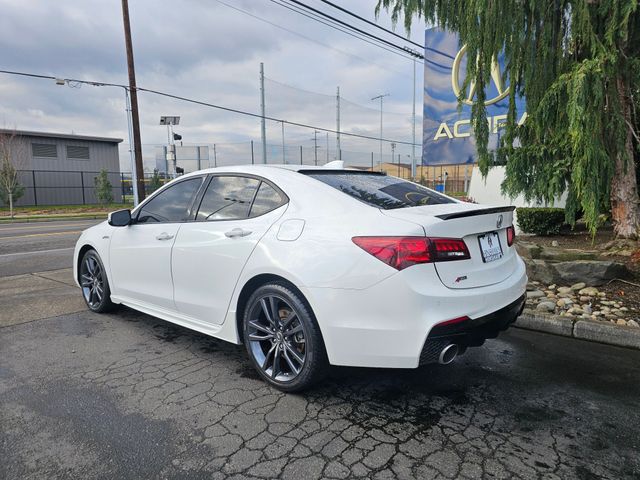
499	222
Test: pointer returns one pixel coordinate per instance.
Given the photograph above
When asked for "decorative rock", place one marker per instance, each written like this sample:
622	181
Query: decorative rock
584	299
564	295
632	323
552	287
597	313
578	286
589	291
587	309
564	290
624	309
602	294
564	302
620	321
535	294
546	306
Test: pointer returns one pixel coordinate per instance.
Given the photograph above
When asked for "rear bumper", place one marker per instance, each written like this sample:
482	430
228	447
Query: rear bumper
470	333
388	324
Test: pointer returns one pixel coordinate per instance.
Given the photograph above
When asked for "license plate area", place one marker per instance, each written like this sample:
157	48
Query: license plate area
490	247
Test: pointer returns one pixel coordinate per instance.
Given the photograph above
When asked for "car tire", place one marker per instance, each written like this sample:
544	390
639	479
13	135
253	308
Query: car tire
94	283
283	339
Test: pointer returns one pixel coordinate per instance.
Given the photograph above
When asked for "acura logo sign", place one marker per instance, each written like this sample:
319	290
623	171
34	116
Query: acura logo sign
496	76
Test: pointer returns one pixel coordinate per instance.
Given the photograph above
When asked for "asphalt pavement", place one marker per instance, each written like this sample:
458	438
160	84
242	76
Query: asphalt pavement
38	247
126	395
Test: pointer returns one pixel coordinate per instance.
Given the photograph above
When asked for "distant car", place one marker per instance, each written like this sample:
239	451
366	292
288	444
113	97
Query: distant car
310	266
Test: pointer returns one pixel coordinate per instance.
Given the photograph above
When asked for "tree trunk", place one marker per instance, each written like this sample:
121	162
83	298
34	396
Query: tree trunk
11	204
624	187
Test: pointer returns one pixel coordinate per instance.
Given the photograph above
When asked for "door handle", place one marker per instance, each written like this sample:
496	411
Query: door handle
237	232
164	236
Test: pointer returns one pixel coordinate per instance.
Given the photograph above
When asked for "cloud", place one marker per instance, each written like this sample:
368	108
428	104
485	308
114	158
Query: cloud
200	49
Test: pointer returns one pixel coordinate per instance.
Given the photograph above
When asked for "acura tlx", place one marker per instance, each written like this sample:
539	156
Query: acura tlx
310	267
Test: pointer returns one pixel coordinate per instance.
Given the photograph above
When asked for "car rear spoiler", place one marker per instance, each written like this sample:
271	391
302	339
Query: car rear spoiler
473	213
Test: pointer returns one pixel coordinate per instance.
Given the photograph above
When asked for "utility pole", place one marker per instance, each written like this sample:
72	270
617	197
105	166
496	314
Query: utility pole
252	159
263	126
413	147
315	146
327	147
338	150
284	160
380	97
135	119
215	156
393	155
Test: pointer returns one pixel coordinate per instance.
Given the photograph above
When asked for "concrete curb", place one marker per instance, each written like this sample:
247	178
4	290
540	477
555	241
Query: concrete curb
53	218
591	330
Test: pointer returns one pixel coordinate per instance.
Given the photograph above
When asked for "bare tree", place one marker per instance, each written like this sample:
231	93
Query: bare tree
11	159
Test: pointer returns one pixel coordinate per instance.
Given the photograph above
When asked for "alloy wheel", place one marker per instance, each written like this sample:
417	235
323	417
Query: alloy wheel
92	281
276	337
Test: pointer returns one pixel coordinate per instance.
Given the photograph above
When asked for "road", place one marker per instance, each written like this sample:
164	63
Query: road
126	395
37	247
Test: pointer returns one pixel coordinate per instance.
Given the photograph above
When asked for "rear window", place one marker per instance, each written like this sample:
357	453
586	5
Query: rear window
380	191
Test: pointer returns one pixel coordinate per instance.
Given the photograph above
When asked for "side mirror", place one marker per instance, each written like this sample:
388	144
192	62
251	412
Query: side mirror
119	218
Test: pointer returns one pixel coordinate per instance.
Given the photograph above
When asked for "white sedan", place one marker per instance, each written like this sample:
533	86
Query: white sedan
310	266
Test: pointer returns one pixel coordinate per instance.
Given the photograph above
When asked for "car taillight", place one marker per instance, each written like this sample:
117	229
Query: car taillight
402	252
511	235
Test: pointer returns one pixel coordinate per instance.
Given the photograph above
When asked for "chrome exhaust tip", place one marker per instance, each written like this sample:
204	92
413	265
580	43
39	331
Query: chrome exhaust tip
448	354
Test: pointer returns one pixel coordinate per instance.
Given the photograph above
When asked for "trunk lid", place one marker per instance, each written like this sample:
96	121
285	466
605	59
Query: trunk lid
466	221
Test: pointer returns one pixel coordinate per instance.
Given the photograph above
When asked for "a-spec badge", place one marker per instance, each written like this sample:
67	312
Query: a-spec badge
499	222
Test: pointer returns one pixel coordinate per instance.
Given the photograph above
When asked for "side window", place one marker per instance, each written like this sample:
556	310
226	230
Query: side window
227	198
171	205
267	199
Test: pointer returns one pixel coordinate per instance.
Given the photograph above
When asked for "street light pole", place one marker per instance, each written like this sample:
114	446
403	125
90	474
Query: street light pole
135	120
380	97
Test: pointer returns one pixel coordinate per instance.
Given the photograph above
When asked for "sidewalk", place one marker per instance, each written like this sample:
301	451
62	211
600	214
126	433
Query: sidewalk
52	217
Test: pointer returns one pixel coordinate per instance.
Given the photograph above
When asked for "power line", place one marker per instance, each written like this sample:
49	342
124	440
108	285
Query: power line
354	33
351	27
200	102
298	10
273	24
390	32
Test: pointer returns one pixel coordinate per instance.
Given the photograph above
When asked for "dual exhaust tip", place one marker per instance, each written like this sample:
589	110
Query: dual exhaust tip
448	354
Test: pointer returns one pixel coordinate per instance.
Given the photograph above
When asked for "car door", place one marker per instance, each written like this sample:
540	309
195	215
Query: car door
140	254
210	253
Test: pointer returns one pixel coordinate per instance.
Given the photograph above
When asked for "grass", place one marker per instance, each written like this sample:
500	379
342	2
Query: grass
61	211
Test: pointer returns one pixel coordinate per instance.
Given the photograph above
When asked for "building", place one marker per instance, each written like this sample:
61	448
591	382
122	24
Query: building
59	169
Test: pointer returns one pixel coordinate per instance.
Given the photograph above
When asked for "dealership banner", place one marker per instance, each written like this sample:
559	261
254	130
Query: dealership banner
447	138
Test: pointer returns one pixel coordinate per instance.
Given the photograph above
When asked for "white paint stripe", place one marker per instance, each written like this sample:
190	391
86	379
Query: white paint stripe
36	252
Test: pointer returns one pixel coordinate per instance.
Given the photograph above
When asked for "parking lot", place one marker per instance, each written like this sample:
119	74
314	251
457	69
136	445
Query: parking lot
126	395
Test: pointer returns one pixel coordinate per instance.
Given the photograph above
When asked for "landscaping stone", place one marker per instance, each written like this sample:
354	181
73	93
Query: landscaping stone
535	294
632	323
546	306
589	291
587	309
578	286
593	272
564	290
621	321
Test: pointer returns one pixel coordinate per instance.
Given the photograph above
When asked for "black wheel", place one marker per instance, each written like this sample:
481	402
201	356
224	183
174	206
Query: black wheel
283	339
94	283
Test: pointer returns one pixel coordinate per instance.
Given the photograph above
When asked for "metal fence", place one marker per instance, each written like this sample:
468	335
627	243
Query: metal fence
53	187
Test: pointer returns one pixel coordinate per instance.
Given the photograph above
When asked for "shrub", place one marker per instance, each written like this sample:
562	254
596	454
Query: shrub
541	221
103	188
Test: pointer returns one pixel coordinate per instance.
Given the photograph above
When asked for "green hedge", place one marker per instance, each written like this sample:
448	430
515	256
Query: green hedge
541	221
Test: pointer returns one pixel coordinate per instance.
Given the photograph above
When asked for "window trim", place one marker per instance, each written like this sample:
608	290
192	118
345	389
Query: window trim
285	197
136	211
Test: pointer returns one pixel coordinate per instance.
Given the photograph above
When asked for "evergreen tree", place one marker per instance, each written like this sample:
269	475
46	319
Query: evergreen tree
577	62
103	187
155	183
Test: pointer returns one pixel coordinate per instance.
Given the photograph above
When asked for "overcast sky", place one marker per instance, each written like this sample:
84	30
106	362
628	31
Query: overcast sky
204	50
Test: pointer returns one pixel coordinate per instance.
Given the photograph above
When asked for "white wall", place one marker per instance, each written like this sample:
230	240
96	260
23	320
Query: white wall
486	191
